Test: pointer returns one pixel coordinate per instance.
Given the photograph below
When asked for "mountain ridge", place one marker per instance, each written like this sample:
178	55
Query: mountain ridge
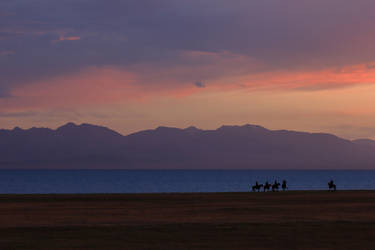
227	147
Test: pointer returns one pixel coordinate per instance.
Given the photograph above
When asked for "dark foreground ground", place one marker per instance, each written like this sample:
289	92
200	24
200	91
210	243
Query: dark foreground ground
283	220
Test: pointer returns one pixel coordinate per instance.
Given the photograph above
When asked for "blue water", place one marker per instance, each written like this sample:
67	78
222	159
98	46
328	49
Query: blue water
157	181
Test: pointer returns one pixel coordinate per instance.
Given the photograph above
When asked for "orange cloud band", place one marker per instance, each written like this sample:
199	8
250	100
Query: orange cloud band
222	72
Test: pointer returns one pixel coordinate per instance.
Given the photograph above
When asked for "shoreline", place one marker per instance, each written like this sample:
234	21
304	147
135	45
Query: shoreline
189	193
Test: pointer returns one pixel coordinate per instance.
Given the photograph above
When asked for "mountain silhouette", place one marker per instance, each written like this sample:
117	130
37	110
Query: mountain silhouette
228	147
365	142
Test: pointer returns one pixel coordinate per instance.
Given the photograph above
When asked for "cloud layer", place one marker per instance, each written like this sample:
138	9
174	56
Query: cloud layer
64	54
44	39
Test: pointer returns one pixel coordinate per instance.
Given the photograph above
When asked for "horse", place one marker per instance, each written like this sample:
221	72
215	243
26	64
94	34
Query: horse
275	186
257	187
266	186
283	186
331	186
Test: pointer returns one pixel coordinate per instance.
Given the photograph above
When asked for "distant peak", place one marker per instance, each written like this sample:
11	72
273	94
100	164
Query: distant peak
248	126
68	125
17	129
253	126
227	127
163	129
191	128
86	128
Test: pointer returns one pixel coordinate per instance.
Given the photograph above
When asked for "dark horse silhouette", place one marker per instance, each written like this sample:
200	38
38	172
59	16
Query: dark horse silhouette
283	186
275	186
266	186
331	186
257	187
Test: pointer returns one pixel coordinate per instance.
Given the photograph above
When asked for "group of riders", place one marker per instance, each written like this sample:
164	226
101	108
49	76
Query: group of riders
267	186
275	186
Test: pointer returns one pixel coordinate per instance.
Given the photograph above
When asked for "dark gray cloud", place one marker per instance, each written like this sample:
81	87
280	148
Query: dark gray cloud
200	84
280	34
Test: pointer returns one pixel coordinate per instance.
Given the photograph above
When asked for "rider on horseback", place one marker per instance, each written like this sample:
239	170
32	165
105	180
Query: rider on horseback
257	186
275	186
266	186
331	185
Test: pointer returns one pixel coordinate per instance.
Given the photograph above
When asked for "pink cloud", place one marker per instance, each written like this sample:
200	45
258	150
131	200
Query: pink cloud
220	72
302	80
92	86
66	38
70	38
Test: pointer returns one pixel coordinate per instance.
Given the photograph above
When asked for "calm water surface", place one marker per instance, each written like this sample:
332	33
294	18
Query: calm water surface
157	181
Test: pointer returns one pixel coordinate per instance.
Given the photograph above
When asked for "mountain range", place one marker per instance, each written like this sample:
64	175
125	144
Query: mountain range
229	147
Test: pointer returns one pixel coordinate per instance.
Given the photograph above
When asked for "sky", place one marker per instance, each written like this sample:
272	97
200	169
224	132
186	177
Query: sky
138	64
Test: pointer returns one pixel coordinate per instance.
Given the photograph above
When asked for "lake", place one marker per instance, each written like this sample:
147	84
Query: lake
169	181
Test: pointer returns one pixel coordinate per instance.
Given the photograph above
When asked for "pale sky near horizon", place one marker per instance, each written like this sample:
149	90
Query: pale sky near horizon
138	64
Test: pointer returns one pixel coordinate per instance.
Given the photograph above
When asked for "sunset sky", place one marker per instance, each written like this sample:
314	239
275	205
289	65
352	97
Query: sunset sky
138	64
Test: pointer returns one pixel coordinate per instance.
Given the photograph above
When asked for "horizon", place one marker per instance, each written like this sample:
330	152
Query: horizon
134	65
182	128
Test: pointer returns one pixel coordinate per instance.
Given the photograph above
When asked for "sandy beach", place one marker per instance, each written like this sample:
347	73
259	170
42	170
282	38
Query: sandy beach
280	220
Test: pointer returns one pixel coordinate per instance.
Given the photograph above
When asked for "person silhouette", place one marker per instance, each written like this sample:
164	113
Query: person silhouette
266	186
284	187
